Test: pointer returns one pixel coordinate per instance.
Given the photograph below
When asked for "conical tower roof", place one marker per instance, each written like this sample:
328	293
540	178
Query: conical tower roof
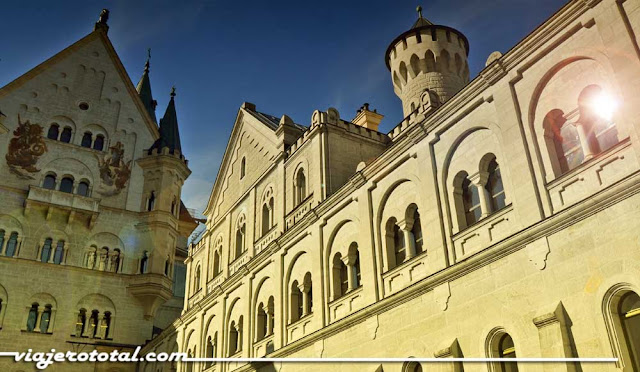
169	134
144	90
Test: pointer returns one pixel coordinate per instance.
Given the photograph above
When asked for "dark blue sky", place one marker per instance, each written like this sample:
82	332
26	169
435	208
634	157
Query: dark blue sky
287	57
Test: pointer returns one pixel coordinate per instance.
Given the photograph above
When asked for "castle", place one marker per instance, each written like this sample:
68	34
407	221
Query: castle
93	233
498	219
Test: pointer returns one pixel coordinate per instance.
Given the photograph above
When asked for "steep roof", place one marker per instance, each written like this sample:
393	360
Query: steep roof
421	22
169	134
144	91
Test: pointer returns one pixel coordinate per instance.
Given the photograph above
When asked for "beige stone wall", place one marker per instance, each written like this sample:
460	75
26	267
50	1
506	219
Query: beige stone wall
88	72
546	268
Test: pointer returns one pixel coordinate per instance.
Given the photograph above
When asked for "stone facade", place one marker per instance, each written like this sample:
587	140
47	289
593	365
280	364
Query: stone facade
502	222
85	263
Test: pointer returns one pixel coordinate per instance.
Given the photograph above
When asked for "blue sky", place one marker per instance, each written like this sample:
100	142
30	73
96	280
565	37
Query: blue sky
287	57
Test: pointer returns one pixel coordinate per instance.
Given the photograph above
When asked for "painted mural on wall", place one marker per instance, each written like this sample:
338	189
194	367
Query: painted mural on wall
25	148
114	172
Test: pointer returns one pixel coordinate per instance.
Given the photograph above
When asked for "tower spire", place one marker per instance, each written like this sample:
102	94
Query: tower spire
144	89
421	22
169	133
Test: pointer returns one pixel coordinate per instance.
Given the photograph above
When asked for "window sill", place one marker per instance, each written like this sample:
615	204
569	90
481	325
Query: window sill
300	321
587	164
502	211
35	333
75	146
404	264
350	293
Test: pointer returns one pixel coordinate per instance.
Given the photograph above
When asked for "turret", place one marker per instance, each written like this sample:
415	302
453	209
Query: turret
427	57
165	169
144	89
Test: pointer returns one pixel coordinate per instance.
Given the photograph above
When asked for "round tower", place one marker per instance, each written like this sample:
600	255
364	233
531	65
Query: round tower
427	56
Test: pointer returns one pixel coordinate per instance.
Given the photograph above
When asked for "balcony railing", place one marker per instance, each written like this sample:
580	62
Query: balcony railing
63	199
266	239
298	212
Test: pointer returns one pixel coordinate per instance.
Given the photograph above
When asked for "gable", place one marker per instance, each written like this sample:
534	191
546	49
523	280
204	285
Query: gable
83	87
256	142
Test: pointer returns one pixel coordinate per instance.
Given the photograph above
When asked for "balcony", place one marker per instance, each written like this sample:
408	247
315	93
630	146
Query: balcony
406	274
592	176
215	282
54	200
484	233
298	212
239	262
346	305
300	328
266	239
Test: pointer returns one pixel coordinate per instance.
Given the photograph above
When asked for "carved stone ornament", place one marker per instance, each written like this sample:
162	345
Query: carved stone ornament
25	148
114	172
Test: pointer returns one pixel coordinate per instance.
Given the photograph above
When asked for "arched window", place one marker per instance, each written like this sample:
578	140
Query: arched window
45	255
243	167
267	216
54	131
81	322
399	247
32	317
507	350
86	140
216	263
98	144
412	367
494	186
356	266
190	354
66	185
240	237
209	350
296	302
45	319
471	202
270	315
173	206
340	277
49	182
93	324
233	338
58	256
90	257
261	322
105	325
301	186
116	259
12	245
83	188
308	295
416	231
629	313
66	135
143	262
196	280
151	202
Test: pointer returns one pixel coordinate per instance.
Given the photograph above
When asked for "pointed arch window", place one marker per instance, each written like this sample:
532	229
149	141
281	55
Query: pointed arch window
243	167
65	136
196	280
98	144
241	237
87	137
58	256
45	255
49	182
66	185
54	131
173	206
216	263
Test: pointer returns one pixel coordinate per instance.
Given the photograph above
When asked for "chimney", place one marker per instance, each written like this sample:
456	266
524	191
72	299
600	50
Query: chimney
366	118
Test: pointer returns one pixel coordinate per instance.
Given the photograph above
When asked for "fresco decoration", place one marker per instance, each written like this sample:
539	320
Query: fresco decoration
25	148
114	172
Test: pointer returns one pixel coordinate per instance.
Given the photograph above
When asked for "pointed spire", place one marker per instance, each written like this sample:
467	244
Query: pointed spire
144	89
421	22
102	21
169	134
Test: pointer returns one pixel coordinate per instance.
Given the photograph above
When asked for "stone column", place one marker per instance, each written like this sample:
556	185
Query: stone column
409	240
349	261
36	328
587	148
304	289
480	181
269	319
